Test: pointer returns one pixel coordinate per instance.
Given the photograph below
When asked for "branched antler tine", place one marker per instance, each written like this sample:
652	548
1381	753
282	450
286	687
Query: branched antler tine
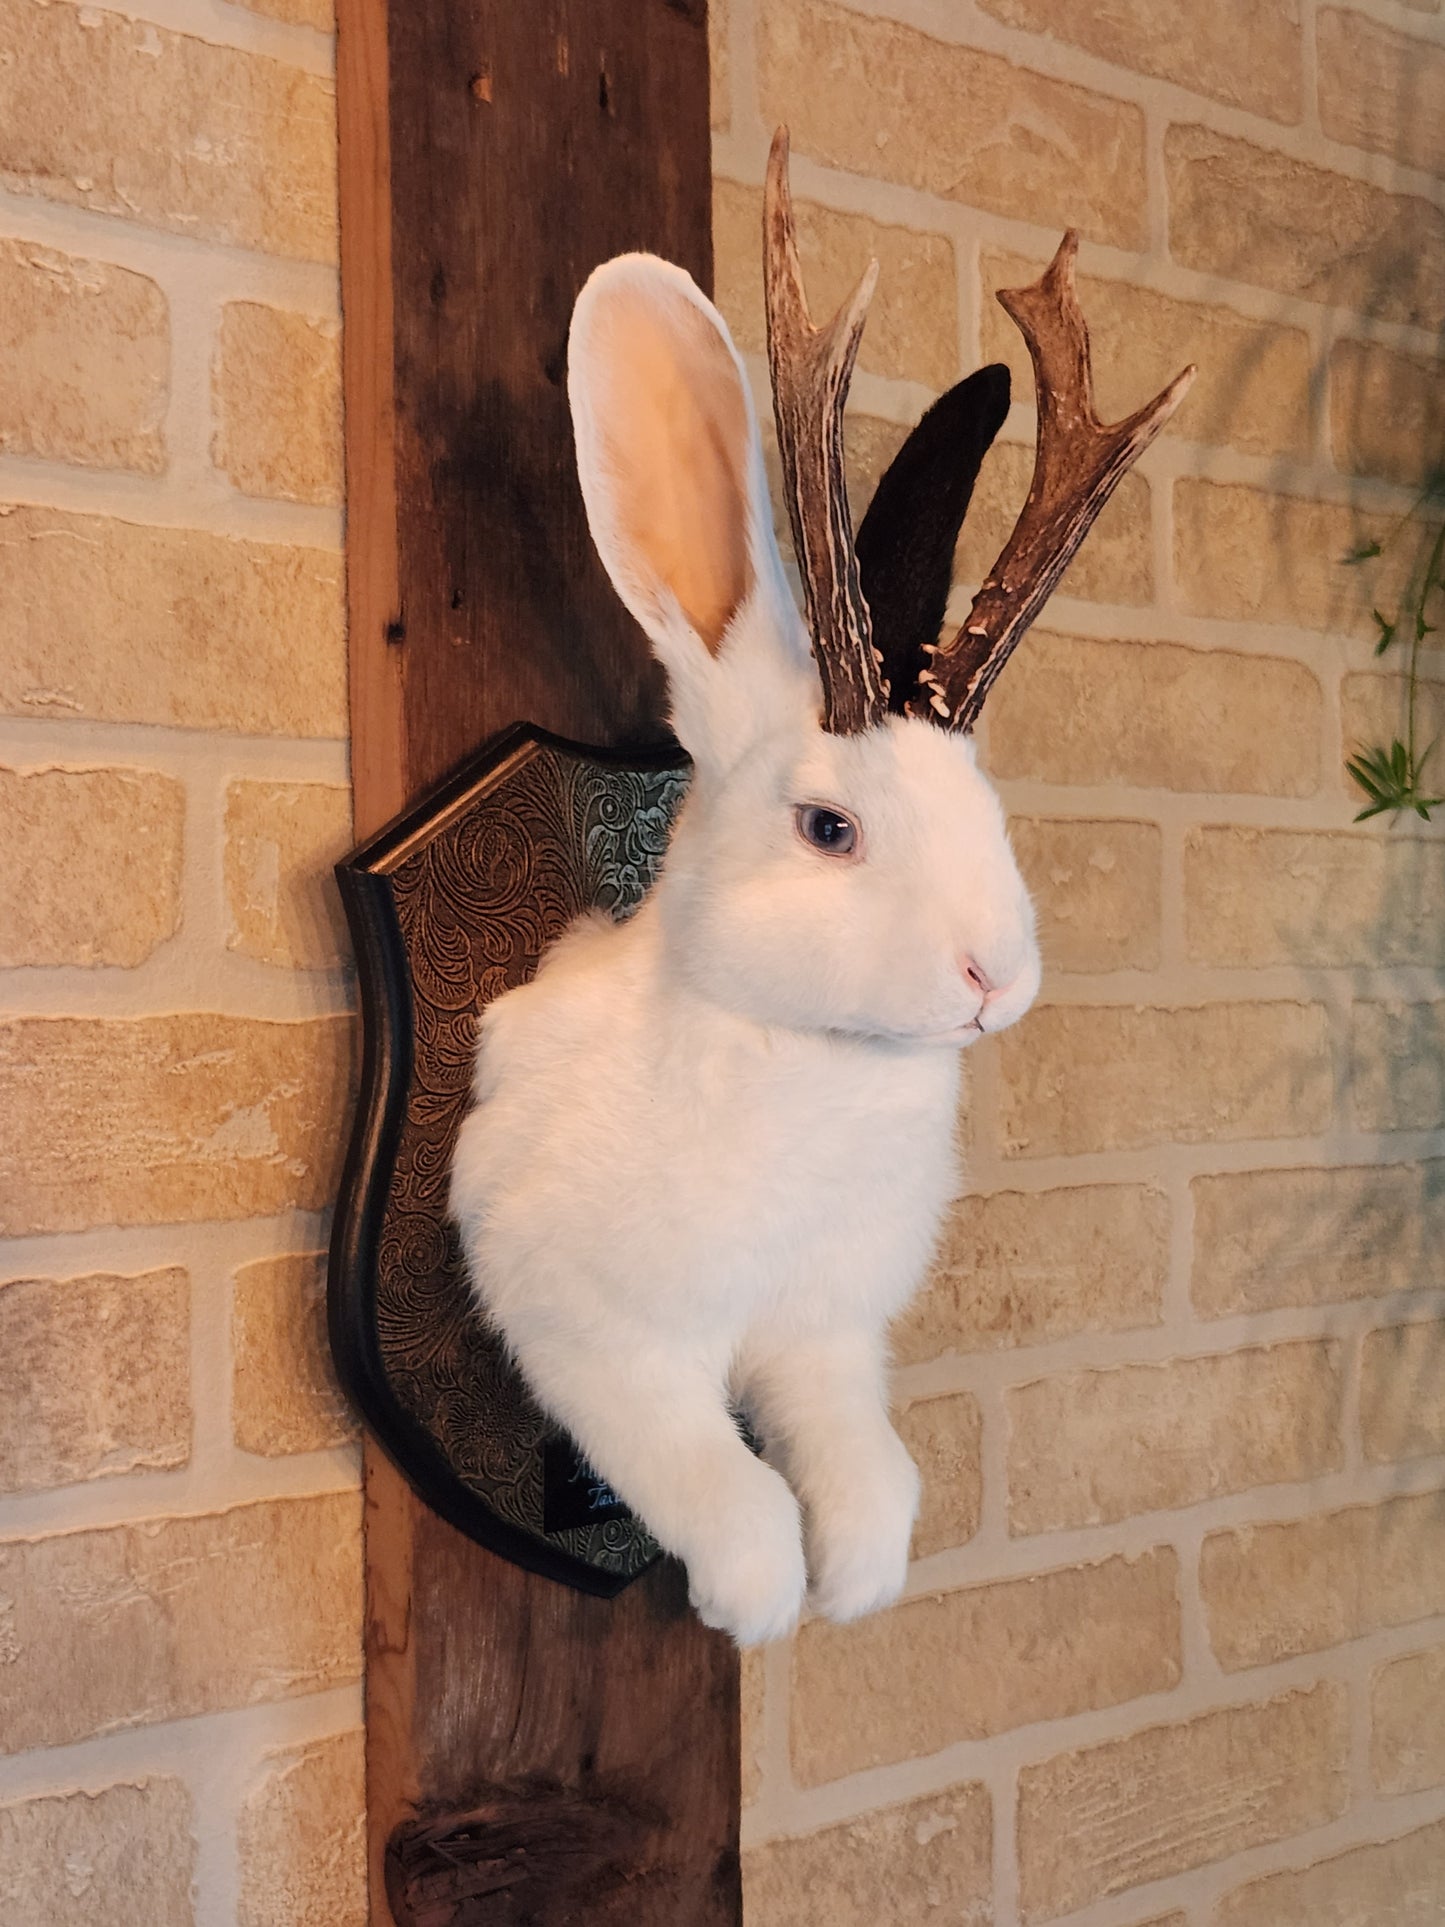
811	369
1078	463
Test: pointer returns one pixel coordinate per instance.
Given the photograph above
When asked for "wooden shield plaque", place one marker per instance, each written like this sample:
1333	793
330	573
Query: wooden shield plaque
450	905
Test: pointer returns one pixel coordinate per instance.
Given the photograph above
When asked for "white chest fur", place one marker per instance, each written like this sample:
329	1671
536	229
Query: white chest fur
636	1150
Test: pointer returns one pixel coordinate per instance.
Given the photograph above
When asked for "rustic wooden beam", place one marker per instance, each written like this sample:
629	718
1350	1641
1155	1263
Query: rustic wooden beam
533	1754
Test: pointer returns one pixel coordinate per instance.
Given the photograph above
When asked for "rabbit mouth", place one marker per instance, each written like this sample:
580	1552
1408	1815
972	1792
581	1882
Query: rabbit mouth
954	1035
960	1034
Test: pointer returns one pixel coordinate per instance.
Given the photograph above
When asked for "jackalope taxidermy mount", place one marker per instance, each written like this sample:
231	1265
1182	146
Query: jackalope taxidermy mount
712	1145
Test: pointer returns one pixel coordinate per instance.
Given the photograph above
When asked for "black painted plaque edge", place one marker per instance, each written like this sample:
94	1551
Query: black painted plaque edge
385	985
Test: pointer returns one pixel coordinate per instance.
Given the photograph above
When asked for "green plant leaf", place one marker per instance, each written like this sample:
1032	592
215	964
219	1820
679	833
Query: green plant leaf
1369	779
1374	762
1392	778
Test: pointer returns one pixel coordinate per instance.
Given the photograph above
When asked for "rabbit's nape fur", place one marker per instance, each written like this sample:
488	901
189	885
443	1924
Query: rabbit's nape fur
712	1146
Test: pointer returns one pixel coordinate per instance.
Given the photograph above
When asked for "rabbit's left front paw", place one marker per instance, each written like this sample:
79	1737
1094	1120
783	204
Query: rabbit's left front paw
858	1553
747	1577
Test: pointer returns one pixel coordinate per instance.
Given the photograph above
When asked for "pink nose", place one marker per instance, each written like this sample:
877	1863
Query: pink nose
975	976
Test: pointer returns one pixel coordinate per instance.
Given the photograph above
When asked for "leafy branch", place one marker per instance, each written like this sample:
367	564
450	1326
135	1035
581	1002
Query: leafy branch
1393	778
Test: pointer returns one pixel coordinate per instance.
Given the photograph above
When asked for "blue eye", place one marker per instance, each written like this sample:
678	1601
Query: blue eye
827	830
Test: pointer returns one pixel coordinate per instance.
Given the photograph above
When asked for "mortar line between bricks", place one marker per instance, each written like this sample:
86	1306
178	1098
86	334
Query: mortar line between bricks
1003	1786
91	741
1198	1664
192	417
218	1784
189	1492
1332	728
1172	937
993	1504
1177	1311
146	1247
747	128
1184	810
204	506
168	258
1406	18
1183	1336
1357	1699
180	1748
1310	65
1156	179
1352	1345
123	238
222	1779
1193	986
898	205
1322	650
1133	1536
238	28
213	1451
774	1757
1325	330
1340	1150
969	29
1161	526
183	979
971	297
205	922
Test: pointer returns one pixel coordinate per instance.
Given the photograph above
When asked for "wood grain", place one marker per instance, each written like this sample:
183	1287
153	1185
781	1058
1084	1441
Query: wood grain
379	781
528	144
492	155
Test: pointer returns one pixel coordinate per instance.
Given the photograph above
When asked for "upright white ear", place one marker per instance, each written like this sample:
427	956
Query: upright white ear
671	467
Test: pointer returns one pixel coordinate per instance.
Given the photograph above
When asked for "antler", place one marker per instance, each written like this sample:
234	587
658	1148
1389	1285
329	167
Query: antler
811	368
1078	464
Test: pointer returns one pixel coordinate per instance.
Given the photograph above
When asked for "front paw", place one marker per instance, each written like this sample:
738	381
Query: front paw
858	1549
747	1578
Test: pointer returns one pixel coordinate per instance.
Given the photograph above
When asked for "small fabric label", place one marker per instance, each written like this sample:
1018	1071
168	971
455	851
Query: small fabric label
572	1493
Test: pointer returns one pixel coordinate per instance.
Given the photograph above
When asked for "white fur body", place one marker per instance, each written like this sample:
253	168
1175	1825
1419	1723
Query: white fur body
688	1226
712	1146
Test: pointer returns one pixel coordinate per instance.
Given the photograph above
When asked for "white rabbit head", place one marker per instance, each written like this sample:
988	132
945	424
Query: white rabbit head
841	863
857	882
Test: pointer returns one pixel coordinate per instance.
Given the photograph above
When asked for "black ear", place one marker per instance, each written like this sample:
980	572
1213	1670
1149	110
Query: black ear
905	546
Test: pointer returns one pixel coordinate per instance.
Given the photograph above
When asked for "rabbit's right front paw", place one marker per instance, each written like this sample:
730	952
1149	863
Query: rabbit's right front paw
749	1577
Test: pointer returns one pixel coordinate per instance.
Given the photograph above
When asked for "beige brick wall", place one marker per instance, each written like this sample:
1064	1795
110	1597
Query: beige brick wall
1171	1648
180	1573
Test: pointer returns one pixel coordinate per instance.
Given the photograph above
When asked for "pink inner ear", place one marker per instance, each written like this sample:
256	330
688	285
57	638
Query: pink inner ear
674	433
